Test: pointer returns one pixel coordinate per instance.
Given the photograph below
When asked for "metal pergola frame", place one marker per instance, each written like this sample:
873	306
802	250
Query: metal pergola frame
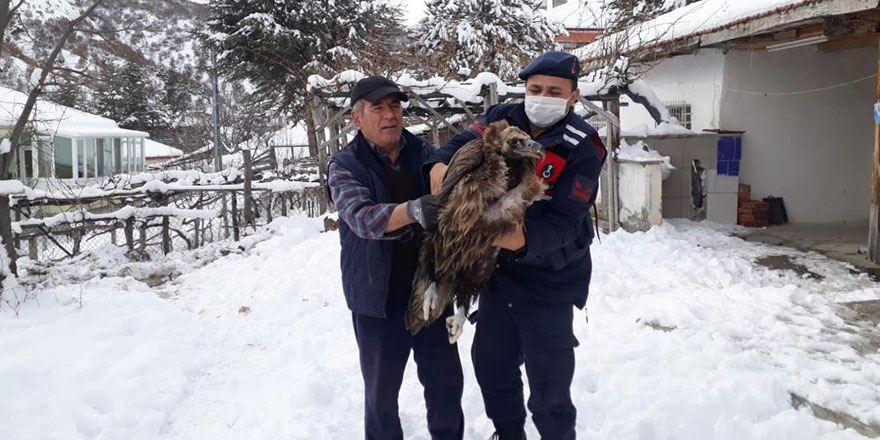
330	114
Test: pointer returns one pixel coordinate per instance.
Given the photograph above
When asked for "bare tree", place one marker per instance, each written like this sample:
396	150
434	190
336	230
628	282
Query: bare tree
15	137
7	11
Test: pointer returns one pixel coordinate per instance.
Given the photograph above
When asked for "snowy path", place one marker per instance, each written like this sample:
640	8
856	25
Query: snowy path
687	339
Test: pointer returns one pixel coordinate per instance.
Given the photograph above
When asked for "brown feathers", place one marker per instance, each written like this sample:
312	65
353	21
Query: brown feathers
488	186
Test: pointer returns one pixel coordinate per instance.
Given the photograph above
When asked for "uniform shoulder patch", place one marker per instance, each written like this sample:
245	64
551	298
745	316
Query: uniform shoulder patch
582	188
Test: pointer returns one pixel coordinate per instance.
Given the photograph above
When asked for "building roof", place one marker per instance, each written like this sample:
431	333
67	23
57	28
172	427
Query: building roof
153	149
709	22
54	119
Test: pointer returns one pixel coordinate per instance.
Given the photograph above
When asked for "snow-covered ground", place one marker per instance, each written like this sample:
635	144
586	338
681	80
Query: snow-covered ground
687	339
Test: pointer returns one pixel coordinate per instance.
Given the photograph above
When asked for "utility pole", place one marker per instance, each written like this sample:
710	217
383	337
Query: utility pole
218	162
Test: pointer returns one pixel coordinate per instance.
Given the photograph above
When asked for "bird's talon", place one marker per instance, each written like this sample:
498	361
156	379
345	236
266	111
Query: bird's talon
455	325
429	303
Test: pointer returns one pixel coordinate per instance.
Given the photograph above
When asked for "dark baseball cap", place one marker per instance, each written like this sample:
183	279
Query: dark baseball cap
553	63
374	88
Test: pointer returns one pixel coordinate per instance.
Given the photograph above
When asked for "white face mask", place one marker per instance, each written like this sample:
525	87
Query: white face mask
544	111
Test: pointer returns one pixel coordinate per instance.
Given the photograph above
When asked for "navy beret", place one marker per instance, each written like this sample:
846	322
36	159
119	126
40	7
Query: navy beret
553	63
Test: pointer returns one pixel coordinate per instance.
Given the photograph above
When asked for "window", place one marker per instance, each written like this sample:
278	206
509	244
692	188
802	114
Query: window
139	153
106	167
91	158
80	158
680	110
559	2
117	156
44	158
63	158
27	163
126	155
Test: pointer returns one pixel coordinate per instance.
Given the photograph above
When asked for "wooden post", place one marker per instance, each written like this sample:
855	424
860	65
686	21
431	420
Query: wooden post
435	133
224	213
318	120
33	252
334	134
77	239
166	235
284	204
17	236
273	159
113	233
248	177
610	197
874	226
235	231
196	228
142	236
129	233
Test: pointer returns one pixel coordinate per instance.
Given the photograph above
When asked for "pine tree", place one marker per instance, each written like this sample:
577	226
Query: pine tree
177	94
276	44
127	95
464	37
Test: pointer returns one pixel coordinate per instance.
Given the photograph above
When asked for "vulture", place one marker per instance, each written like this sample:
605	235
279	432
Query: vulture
488	186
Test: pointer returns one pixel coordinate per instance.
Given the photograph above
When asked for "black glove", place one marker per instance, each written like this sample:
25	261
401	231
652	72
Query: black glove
423	211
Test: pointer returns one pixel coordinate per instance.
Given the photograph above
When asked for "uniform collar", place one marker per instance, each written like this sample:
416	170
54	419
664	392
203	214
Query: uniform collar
565	133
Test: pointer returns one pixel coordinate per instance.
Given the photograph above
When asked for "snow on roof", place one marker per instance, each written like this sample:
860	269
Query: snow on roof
54	119
577	14
153	149
464	91
709	16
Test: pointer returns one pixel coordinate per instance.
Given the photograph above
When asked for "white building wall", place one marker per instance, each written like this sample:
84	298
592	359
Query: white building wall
696	78
812	149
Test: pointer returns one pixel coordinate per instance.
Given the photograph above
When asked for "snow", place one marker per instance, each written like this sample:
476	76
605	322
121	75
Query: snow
5	146
153	149
641	152
50	118
641	88
577	14
662	129
253	340
11	187
159	181
698	18
121	214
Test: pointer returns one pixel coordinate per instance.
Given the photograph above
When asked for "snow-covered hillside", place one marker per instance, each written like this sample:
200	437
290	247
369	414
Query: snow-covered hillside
155	34
687	339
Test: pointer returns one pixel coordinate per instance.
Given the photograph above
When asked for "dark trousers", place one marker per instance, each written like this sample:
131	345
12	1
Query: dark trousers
384	346
539	335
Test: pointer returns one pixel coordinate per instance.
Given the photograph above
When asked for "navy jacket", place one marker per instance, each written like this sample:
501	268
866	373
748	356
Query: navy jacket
366	264
555	265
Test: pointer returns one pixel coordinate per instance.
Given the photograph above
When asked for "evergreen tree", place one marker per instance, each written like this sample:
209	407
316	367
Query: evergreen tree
469	36
177	94
127	96
276	44
67	92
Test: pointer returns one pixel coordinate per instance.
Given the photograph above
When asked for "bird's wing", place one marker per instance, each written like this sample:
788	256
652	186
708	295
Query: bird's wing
467	159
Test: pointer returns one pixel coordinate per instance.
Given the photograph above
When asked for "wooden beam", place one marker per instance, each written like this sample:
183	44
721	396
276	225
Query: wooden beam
852	42
874	225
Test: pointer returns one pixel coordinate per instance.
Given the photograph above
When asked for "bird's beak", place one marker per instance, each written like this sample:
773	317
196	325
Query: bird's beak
533	149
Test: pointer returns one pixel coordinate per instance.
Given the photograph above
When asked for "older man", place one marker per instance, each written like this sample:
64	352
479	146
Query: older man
544	269
384	202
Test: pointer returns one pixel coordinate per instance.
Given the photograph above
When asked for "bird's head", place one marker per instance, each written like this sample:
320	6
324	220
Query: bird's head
516	144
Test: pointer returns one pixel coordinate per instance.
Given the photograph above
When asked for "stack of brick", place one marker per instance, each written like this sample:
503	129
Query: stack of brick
751	213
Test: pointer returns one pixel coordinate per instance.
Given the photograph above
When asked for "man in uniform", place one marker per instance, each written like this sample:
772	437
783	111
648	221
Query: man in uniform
543	271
